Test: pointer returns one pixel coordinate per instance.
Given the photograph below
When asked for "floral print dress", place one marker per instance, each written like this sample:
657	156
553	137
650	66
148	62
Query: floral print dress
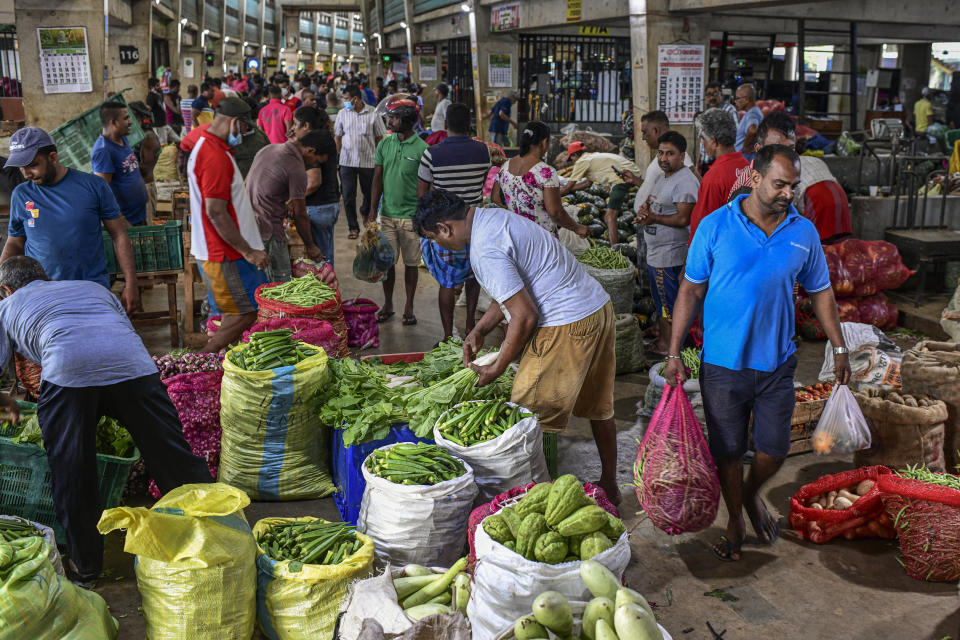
524	194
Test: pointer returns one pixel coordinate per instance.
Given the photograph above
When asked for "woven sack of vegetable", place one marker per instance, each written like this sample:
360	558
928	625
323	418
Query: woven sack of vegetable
933	368
363	332
675	476
820	517
38	603
512	458
319	333
902	434
49	537
417	523
28	373
331	311
197	399
505	583
618	283
479	514
196	562
297	601
927	519
629	344
273	445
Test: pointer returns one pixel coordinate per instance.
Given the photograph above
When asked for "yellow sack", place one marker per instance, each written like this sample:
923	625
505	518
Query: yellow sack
273	444
166	167
196	562
301	602
37	603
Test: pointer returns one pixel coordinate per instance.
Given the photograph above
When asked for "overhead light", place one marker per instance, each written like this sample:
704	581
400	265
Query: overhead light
363	39
356	16
465	7
206	31
183	21
403	25
282	49
375	34
245	43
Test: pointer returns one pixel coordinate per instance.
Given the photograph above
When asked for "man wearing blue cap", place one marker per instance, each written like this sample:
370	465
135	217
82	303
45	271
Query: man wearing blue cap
55	217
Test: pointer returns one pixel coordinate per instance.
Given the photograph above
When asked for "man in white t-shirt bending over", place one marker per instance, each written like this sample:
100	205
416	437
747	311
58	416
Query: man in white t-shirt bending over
561	319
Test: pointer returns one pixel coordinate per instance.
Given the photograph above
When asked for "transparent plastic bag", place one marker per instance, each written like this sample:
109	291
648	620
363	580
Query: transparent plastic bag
842	427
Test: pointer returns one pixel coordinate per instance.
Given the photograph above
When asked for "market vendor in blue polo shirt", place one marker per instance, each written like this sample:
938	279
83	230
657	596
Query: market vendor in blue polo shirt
56	215
741	267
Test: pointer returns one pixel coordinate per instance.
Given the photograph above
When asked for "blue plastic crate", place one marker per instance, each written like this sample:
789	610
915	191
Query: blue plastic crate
347	462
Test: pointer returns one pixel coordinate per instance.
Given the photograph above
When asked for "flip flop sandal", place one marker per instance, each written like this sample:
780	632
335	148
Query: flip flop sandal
727	549
409	321
383	316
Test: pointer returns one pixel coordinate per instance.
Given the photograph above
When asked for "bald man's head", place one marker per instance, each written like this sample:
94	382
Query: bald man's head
745	97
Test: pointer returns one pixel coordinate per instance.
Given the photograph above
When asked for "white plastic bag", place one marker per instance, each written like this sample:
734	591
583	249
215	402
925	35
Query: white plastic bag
842	427
505	584
373	598
421	524
513	458
571	241
874	358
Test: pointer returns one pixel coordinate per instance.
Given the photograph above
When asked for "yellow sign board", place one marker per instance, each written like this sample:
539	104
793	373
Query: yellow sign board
573	11
594	31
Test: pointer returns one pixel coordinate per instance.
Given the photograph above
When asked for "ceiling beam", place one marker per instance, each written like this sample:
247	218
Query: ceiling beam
706	6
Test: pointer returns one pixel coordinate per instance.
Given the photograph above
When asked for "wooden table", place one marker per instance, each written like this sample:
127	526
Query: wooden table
160	318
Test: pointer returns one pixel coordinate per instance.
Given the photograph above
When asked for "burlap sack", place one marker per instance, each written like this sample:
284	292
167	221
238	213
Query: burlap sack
933	368
902	435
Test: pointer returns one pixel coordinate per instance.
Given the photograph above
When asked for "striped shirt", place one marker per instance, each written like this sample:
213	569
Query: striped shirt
459	164
359	131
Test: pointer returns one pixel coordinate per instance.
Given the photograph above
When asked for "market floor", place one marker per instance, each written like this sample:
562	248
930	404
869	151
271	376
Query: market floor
794	589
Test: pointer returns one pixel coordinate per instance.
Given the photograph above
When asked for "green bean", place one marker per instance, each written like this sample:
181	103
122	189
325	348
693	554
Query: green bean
305	291
604	258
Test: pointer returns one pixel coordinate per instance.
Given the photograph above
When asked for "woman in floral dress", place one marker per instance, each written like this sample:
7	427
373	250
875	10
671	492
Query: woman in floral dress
530	187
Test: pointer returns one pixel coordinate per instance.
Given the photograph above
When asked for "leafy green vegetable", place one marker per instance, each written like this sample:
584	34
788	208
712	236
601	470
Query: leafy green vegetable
360	401
112	439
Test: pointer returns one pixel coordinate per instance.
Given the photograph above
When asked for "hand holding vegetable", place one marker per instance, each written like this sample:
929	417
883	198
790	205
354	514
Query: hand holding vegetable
841	368
471	346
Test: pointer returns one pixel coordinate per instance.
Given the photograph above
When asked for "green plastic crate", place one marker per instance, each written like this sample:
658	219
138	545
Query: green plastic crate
155	247
12	429
550	453
76	137
25	482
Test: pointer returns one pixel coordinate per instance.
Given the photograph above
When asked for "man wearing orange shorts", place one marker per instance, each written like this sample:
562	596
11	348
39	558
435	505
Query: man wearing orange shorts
561	319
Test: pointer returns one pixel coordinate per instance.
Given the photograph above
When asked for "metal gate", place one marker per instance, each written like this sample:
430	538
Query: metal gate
9	64
460	71
574	78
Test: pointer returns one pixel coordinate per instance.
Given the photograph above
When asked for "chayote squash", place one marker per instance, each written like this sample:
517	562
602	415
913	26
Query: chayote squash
592	544
535	500
532	527
566	496
551	548
513	520
613	528
584	520
573	544
497	528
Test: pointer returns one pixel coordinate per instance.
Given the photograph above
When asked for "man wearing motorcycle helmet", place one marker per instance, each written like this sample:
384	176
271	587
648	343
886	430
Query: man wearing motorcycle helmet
395	178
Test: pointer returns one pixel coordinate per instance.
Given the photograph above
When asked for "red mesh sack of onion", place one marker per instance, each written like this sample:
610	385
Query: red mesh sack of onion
675	476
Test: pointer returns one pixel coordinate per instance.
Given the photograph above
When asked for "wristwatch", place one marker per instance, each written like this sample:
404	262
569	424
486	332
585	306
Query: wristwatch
670	357
840	350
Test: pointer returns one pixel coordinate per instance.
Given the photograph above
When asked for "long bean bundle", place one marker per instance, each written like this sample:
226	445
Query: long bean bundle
921	472
271	349
305	291
310	542
475	422
604	258
418	463
16	529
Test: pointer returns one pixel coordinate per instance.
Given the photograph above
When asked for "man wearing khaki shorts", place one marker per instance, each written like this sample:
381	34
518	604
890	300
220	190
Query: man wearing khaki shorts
395	178
561	319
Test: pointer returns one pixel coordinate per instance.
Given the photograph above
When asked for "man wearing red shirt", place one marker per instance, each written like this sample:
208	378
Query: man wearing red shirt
225	238
718	133
218	94
275	117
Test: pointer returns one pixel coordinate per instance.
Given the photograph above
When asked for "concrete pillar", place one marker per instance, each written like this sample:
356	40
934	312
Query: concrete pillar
482	44
49	111
350	37
378	70
413	65
136	34
650	26
290	42
914	72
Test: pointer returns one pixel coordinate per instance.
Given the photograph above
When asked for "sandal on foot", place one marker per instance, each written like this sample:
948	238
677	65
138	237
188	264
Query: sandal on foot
354	234
409	321
725	550
383	316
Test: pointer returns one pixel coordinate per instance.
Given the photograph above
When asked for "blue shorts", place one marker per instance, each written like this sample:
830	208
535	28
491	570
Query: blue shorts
729	396
664	284
231	285
450	268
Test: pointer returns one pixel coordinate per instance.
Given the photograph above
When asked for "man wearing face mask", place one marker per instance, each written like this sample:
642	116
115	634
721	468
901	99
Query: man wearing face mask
776	128
225	238
275	117
357	131
289	100
252	140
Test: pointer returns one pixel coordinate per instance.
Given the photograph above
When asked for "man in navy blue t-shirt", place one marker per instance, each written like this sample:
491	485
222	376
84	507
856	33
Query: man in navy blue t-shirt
55	217
501	121
114	161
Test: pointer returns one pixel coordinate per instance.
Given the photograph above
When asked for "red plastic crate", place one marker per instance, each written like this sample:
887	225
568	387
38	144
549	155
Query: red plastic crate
393	358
